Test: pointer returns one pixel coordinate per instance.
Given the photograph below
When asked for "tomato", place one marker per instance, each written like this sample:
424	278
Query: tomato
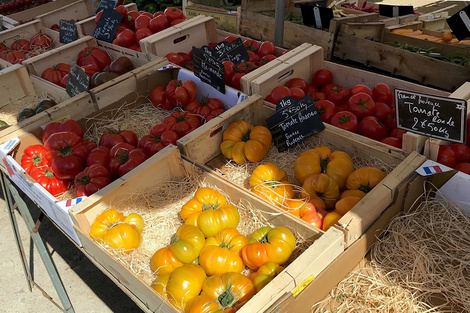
322	78
382	111
3	47
230	38
235	83
266	59
229	68
336	94
246	67
142	21
160	136
297	93
158	23
129	20
66	126
91	179
182	122
67	154
13	56
208	108
299	83
141	34
251	45
111	137
382	93
311	89
345	120
397	133
391	121
371	127
99	155
159	99
362	105
40	41
173	13
365	179
462	152
95	56
45	177
253	57
267	47
280	92
446	156
180	93
121	10
360	88
326	109
125	38
265	275
463	167
317	96
175	58
34	156
21	45
177	21
124	158
392	141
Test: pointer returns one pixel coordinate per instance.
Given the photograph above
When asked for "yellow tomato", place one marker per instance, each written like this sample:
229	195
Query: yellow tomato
265	275
164	261
188	243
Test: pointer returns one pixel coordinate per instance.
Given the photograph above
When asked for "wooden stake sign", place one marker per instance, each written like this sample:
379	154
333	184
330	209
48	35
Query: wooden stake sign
395	10
77	82
460	23
433	116
316	16
294	121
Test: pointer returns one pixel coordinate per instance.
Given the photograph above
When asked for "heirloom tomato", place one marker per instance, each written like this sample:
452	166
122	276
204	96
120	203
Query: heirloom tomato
182	122
45	177
207	107
40	41
372	128
99	155
159	99
345	120
180	93
361	104
268	244
322	78
345	204
321	186
91	179
67	154
160	136
330	219
13	56
94	56
270	183
365	178
264	275
125	157
55	73
163	262
111	137
66	126
34	156
21	45
305	210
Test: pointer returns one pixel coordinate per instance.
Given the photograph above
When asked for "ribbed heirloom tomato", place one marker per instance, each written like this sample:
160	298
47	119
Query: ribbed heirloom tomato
40	41
180	93
44	175
55	73
265	275
124	158
66	126
34	156
270	182
182	122
99	155
321	186
91	179
160	136
111	137
207	107
365	178
95	56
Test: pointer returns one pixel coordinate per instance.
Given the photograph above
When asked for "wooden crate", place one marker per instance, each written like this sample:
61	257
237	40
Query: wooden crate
26	31
77	10
421	68
32	13
19	91
224	19
8	23
203	147
169	166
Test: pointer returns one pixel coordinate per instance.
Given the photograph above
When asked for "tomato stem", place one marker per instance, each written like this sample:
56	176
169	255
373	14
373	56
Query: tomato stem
49	174
226	299
65	150
84	180
246	136
37	160
207	206
365	188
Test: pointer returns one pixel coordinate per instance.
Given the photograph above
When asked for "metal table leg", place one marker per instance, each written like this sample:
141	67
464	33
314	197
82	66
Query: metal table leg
11	192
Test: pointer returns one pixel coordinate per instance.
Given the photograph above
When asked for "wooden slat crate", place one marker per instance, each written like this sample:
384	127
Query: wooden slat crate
32	13
77	10
8	23
203	147
170	167
26	31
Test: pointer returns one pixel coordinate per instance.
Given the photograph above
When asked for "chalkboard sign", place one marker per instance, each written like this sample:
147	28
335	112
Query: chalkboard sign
78	81
395	10
460	23
107	25
68	31
106	4
433	116
208	69
316	16
294	121
233	51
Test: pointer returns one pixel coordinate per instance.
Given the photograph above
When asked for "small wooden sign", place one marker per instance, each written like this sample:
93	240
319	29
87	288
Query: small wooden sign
107	25
233	51
77	82
316	16
460	23
294	121
68	31
208	69
106	4
433	116
395	10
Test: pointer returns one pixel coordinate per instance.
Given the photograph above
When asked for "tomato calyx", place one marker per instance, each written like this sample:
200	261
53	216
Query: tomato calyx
365	188
344	118
264	239
156	139
37	160
324	163
65	150
49	174
123	156
246	136
226	299
362	104
206	207
180	119
84	180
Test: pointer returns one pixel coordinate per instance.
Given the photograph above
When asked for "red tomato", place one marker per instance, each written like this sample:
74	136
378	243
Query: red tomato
141	34
267	47
95	56
397	133
230	38
110	138
360	88
186	56
91	179
159	99
382	111
173	13
180	93
297	93
55	73
229	67
246	67
40	41
175	58
21	45
124	158
159	23
177	21
251	45
129	21
446	156
182	122
253	57
317	96
90	69
311	89
160	136
34	156
235	83
121	10
462	152
90	145
266	59
372	128
345	120
45	177
121	27
326	109
66	126
280	92
125	38
322	78
207	107
382	93
463	167
13	56
392	141
361	104
142	21
299	83
145	13
99	155
336	94
391	121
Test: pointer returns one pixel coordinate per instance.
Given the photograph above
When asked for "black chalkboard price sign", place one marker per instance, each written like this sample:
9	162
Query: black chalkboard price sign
233	51
68	31
433	116
208	69
106	4
77	82
294	121
107	25
395	10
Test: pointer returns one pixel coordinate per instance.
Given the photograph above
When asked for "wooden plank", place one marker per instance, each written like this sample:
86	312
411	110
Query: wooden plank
336	23
363	30
32	13
10	79
77	10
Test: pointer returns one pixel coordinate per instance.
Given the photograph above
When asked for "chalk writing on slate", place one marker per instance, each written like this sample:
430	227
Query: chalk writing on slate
433	116
209	69
77	82
68	31
107	25
106	4
233	51
294	121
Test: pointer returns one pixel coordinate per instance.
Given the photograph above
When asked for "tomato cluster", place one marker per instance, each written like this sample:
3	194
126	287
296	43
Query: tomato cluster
360	109
136	25
260	53
456	155
21	49
20	5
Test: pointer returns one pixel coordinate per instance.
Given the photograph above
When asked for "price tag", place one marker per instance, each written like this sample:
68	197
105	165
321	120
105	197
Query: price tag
316	16
77	82
208	68
106	4
433	116
68	31
294	121
107	25
395	10
233	51
460	23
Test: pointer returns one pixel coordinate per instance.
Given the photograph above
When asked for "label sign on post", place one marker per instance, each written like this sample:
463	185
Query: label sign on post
106	4
68	31
107	25
208	69
395	10
460	23
316	16
433	116
77	82
294	121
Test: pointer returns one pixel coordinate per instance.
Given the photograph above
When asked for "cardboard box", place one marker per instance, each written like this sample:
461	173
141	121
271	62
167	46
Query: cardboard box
224	19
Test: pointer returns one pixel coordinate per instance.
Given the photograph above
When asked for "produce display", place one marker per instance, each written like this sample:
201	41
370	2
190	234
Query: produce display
447	37
456	155
19	5
24	48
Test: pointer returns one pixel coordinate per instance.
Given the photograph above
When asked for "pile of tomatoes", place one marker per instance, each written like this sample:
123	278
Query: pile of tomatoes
136	25
21	49
456	155
20	5
360	109
260	53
